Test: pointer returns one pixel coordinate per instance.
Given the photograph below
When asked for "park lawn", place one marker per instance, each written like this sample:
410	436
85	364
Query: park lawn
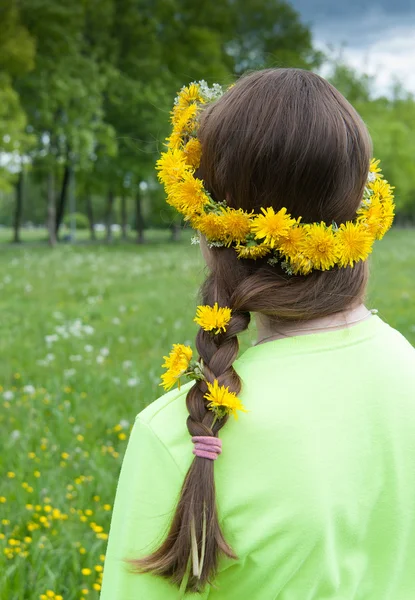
83	330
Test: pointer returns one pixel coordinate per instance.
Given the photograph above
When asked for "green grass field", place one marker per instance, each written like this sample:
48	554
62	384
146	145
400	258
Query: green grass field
82	333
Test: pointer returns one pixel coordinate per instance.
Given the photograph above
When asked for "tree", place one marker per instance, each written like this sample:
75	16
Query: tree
62	96
17	50
391	124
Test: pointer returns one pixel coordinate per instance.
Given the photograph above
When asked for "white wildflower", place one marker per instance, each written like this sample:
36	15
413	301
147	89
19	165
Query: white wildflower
127	364
29	389
8	395
133	381
75	358
100	359
104	351
88	348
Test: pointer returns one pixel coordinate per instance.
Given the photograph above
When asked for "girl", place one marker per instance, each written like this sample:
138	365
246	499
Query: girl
312	493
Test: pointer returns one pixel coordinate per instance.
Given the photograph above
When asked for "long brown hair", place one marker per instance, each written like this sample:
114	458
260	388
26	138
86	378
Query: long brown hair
279	137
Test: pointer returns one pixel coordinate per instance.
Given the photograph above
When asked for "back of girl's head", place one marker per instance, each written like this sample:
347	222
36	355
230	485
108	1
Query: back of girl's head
278	138
285	137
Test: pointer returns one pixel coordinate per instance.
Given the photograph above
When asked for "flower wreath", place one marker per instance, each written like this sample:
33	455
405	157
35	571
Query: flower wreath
298	247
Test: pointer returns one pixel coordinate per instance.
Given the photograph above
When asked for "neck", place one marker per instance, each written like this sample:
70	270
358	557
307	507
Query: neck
347	318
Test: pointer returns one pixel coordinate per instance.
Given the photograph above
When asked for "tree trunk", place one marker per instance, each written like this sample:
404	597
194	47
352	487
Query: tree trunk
139	218
123	217
63	196
176	231
108	216
90	215
51	208
18	208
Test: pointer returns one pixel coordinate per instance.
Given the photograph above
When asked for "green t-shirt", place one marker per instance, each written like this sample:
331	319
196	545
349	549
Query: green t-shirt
315	484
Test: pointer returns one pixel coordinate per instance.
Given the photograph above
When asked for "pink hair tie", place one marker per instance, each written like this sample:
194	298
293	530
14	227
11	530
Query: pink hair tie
207	446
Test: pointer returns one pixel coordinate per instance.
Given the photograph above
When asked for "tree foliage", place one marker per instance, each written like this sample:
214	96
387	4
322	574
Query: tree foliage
86	88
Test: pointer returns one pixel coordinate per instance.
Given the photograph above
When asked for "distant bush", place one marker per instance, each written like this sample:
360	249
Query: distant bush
81	220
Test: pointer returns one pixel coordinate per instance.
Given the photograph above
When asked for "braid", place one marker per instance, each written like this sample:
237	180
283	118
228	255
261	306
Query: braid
196	514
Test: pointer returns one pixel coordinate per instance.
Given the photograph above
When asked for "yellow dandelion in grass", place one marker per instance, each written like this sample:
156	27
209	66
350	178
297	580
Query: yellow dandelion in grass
188	196
236	224
176	363
213	318
272	226
171	167
354	243
193	152
291	245
253	252
222	401
211	226
320	246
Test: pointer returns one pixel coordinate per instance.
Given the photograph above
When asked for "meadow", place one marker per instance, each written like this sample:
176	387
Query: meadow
83	330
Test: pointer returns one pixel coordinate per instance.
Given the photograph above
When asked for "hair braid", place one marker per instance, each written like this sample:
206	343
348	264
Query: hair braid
196	513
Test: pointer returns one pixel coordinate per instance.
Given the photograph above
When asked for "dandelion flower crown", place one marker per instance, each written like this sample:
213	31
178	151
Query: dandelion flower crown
298	247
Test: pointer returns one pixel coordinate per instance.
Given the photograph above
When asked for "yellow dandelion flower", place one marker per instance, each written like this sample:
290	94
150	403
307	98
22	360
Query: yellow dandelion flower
354	243
176	364
374	166
236	224
300	265
171	167
272	226
320	246
213	318
291	245
183	118
252	252
86	571
193	152
370	216
211	226
189	94
381	190
188	196
388	214
222	401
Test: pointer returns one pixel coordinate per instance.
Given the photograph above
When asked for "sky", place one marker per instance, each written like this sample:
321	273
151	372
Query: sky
376	37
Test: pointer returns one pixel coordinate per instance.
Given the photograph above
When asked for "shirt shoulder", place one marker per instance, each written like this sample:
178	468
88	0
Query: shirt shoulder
166	417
